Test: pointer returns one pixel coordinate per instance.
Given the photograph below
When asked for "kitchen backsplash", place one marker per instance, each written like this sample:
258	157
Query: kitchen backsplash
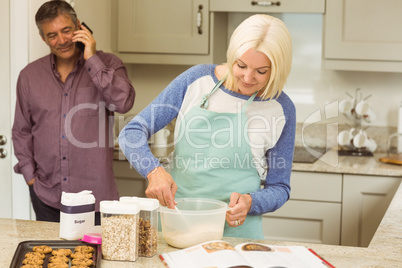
313	135
325	135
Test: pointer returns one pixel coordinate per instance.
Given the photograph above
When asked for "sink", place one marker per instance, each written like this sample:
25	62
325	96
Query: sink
301	155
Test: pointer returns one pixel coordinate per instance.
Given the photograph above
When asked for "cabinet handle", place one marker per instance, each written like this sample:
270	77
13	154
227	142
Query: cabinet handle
265	3
3	140
199	19
3	153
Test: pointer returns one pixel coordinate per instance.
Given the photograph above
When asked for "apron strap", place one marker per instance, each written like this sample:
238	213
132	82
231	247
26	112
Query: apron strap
204	101
250	100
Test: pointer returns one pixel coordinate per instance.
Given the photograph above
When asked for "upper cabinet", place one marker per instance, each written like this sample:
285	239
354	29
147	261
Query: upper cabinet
167	31
185	32
155	26
363	35
288	6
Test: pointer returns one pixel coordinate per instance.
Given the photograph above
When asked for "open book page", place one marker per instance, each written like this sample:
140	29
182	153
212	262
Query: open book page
220	254
212	254
266	256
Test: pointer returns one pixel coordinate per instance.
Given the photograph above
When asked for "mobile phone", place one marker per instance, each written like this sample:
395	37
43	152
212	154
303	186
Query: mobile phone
81	45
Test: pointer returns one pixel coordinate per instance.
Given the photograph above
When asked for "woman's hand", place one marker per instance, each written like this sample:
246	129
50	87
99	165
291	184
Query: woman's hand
240	205
161	186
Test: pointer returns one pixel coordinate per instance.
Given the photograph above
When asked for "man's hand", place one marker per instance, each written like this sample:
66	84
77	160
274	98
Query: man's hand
161	186
31	182
84	36
240	205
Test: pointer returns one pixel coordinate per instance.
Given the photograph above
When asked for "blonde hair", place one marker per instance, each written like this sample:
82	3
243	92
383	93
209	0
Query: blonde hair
270	36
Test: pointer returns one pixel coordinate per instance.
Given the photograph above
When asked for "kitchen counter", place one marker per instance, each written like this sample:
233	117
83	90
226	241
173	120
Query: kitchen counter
385	249
331	162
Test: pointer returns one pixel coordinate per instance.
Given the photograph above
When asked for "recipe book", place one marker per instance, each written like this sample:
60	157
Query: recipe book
221	254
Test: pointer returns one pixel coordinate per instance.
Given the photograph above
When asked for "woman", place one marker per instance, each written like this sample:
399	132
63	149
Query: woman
235	128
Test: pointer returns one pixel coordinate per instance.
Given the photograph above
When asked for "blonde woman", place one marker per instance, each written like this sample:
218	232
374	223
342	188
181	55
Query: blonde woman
234	132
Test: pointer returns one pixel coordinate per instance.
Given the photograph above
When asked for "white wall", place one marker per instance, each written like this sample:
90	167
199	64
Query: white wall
37	48
19	46
312	87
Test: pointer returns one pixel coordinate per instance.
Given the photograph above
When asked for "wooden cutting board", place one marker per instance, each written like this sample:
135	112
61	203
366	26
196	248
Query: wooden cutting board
395	159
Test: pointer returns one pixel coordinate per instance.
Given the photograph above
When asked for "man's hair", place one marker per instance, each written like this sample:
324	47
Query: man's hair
269	36
53	9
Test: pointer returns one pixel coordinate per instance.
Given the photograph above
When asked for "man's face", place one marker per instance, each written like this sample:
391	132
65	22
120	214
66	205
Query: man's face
58	34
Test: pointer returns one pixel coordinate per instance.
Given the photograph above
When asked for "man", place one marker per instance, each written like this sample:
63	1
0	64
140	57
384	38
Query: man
63	128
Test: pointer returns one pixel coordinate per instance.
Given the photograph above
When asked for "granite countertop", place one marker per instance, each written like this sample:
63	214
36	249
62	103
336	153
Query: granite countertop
331	162
385	249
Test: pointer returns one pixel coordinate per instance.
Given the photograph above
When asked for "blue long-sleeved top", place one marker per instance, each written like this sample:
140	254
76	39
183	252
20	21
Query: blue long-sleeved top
273	148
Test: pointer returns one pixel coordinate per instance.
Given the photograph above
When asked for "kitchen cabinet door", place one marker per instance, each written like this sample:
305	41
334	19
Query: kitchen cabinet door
163	26
313	213
283	6
365	201
167	32
363	35
304	221
316	186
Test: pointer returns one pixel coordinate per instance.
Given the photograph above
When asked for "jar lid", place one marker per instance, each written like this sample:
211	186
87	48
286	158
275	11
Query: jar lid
132	199
147	204
117	207
92	238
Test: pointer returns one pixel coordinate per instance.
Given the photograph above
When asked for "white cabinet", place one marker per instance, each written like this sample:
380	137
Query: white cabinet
167	26
365	201
337	209
129	181
185	32
288	6
304	221
168	32
363	35
313	213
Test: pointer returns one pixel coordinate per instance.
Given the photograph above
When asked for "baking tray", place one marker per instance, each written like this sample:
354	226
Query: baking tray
27	246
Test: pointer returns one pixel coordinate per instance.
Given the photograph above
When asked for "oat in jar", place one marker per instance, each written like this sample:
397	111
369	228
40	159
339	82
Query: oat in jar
120	227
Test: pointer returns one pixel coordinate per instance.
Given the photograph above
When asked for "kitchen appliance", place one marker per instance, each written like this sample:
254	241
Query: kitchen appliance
197	220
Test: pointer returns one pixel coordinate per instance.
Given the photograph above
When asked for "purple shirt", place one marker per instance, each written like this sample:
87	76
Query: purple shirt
63	132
